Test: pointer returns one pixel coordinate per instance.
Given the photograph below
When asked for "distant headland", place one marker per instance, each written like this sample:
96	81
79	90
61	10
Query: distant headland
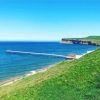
90	40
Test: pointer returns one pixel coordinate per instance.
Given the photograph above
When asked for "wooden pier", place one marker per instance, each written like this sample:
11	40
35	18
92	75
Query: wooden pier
43	54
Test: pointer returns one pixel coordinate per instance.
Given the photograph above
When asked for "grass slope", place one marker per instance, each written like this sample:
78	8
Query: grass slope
68	80
93	37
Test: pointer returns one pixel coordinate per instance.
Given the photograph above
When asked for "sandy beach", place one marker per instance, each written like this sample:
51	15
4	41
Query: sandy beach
14	79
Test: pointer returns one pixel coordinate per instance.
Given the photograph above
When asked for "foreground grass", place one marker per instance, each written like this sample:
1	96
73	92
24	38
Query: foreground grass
68	80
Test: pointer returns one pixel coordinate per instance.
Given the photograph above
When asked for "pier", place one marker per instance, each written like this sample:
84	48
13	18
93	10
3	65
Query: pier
35	53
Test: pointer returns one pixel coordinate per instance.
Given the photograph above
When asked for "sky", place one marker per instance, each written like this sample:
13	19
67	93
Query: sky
48	20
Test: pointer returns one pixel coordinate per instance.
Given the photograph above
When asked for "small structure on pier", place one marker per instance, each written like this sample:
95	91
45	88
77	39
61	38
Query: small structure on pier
73	56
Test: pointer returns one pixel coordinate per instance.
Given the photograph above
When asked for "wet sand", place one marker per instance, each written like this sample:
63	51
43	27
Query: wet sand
14	79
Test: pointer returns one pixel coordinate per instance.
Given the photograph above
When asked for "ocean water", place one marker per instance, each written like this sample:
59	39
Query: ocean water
12	65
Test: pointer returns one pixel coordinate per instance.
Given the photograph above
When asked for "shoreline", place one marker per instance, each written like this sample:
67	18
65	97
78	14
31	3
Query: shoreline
30	73
33	72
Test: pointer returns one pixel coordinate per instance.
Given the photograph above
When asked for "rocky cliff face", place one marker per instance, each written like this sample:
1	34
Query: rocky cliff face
81	41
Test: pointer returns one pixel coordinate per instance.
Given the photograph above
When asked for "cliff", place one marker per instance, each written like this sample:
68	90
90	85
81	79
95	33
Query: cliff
90	40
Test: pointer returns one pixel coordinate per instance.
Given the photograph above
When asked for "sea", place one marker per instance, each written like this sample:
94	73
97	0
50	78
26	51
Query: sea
12	65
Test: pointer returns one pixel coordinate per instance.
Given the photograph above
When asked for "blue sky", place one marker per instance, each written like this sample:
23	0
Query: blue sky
48	20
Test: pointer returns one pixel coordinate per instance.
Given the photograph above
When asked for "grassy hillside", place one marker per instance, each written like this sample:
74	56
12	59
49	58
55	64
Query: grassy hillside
89	37
68	80
93	37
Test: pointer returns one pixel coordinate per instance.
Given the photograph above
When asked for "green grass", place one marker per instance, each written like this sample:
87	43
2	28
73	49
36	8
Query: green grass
93	37
89	37
68	80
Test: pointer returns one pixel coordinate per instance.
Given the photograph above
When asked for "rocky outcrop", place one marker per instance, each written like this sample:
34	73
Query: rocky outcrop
79	41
